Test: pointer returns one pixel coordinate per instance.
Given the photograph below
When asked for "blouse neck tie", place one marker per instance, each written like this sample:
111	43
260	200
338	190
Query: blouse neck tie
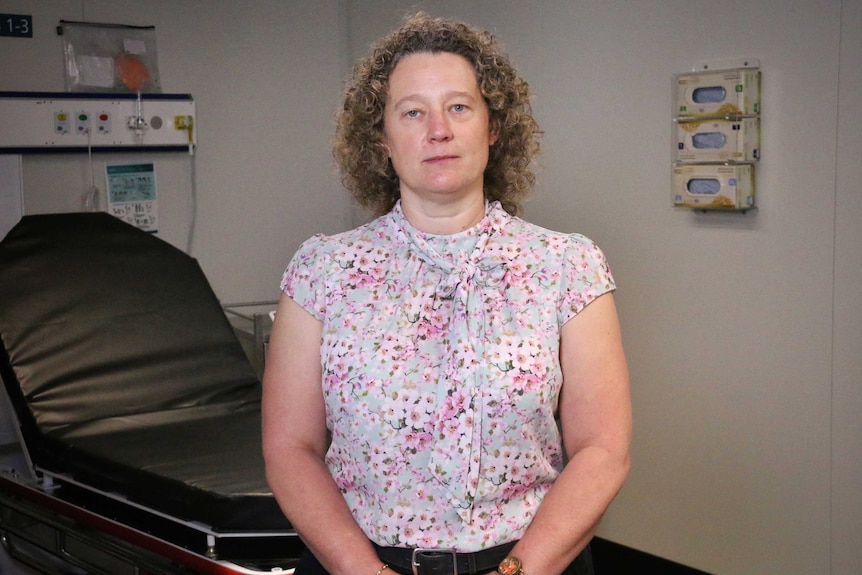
465	277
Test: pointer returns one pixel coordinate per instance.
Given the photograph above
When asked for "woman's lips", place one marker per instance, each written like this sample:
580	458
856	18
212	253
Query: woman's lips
440	159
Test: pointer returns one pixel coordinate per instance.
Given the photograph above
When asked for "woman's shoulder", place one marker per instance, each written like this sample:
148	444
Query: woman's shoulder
543	239
365	237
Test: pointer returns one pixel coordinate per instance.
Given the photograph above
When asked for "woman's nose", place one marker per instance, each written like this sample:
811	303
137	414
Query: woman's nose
438	127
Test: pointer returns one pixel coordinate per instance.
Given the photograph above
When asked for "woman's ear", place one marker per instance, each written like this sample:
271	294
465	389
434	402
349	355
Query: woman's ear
494	132
385	147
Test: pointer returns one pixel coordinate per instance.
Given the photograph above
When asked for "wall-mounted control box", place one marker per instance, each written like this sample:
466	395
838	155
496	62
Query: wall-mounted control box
33	122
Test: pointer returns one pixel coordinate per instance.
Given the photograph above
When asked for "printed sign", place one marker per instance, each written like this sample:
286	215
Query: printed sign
132	195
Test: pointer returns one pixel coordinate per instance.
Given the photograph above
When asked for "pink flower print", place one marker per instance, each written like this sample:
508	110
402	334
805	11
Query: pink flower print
450	428
399	370
416	441
521	359
427	540
456	402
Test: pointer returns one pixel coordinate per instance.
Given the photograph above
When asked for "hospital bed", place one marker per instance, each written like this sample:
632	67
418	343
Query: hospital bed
137	410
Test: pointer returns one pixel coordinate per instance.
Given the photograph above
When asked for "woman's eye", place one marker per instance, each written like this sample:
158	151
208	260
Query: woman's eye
412	113
459	107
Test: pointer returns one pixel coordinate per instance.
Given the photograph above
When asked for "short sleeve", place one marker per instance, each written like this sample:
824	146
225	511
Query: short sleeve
304	279
587	276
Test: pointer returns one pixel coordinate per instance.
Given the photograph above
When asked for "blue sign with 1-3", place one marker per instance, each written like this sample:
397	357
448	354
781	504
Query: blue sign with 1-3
16	25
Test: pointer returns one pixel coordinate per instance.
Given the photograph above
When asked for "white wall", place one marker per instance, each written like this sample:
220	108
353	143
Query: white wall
846	528
743	332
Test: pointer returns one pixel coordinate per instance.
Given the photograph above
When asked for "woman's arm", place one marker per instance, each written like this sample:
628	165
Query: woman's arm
295	440
595	411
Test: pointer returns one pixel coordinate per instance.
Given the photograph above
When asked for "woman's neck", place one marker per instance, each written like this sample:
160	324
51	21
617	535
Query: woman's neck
443	219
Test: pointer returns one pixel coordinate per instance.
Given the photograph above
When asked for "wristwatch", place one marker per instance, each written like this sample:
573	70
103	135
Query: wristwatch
510	566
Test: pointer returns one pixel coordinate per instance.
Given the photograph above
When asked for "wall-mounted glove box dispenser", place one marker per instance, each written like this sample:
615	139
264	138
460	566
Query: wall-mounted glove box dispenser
714	186
718	140
734	92
716	136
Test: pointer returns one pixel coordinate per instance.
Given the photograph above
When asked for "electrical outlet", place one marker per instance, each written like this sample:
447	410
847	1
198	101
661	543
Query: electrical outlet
61	123
82	121
103	123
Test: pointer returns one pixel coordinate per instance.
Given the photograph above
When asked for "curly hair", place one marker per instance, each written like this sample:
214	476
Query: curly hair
365	167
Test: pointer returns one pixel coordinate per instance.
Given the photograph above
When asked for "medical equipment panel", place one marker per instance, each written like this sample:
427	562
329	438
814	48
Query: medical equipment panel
38	122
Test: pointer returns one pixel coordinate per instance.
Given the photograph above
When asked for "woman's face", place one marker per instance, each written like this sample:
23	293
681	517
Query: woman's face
436	127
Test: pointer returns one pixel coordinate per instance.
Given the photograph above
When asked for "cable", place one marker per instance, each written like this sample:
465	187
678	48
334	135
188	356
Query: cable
90	198
194	206
188	122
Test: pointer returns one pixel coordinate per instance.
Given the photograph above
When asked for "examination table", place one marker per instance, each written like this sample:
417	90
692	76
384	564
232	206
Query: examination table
137	409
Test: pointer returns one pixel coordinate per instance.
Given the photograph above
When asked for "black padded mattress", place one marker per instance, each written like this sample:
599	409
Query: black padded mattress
126	375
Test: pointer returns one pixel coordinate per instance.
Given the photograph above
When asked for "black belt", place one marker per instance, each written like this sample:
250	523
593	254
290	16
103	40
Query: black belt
468	563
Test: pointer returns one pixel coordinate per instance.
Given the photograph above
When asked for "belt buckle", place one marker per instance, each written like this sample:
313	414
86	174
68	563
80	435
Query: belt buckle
434	562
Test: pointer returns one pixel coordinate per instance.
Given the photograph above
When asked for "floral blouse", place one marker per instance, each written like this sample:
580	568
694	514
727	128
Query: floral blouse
441	371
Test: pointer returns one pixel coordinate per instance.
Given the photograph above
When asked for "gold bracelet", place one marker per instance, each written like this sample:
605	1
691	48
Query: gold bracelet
382	569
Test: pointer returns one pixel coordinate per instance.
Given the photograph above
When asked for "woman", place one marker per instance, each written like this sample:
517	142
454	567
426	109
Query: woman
420	364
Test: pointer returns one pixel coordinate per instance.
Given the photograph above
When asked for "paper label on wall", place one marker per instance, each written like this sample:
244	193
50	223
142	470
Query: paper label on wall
133	196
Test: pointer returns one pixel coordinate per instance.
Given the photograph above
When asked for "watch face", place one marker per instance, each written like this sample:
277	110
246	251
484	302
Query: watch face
509	566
